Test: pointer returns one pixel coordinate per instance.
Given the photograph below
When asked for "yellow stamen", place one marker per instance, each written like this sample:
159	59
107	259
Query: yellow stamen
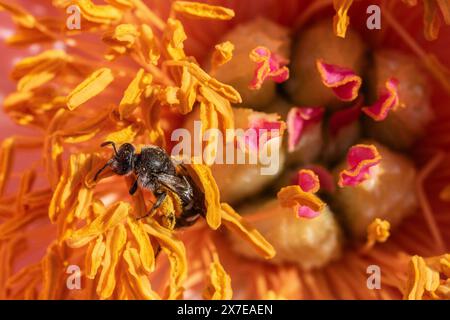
94	256
27	64
138	279
121	4
52	274
146	253
173	40
20	16
122	38
236	223
6	150
219	285
103	14
377	231
204	179
202	10
149	44
223	52
115	242
422	280
341	19
176	253
111	218
293	196
89	88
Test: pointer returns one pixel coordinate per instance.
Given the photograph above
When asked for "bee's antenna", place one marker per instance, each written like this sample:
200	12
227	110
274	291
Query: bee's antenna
107	143
102	168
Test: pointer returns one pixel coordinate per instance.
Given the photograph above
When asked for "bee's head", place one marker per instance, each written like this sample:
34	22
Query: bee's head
123	160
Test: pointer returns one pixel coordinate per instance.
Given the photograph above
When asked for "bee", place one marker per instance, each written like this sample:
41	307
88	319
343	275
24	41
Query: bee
156	171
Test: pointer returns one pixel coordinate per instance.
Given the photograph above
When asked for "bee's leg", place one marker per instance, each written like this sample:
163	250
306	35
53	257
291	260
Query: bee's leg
102	169
107	143
133	188
160	196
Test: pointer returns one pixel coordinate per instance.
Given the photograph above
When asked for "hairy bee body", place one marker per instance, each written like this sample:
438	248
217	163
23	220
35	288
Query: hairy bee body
155	171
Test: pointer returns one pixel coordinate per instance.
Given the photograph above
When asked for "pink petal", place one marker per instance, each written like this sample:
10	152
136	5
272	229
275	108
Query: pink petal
343	81
325	178
280	75
268	65
360	158
308	181
388	100
343	118
297	120
265	127
262	52
306	212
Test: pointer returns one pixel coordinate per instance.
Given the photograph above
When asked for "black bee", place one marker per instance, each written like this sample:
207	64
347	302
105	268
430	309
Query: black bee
154	170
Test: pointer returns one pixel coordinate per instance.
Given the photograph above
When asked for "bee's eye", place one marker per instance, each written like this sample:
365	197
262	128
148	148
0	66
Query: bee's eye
124	154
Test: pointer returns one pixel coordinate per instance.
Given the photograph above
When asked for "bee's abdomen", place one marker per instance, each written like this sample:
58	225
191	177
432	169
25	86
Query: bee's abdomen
194	208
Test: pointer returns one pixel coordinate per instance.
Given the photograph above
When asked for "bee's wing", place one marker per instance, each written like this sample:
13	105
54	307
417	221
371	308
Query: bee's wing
176	184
